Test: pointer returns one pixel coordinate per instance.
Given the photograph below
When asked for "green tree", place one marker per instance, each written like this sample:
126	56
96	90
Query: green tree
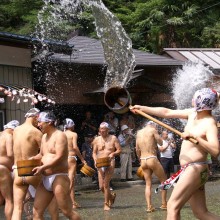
151	24
19	16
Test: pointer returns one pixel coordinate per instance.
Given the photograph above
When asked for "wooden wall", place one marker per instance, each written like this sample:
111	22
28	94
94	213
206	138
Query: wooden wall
14	76
68	84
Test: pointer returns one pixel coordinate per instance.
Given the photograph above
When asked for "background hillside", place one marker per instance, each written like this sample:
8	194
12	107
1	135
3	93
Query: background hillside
151	24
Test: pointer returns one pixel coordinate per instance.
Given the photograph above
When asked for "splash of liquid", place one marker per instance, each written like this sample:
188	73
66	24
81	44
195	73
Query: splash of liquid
116	44
191	77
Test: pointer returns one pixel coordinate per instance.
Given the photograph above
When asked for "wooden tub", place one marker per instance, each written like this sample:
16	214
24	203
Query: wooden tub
25	167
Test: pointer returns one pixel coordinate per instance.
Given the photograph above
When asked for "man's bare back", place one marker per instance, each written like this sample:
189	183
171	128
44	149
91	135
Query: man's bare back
6	144
146	148
146	141
73	151
6	162
27	140
71	139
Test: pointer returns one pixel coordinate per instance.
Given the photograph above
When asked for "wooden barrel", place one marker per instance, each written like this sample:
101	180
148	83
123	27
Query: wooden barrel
87	170
25	167
117	99
140	173
103	162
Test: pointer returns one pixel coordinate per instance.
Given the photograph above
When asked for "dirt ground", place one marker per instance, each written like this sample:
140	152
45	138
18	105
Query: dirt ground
130	204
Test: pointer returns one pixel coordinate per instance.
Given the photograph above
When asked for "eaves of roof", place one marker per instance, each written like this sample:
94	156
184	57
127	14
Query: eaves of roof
53	45
90	51
209	56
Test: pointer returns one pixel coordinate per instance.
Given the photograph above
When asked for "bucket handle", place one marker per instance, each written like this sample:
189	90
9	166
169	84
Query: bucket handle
162	124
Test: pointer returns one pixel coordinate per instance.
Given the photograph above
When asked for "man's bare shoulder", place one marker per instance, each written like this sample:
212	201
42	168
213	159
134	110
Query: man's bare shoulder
210	122
146	130
70	133
113	137
27	128
97	138
60	134
5	136
8	135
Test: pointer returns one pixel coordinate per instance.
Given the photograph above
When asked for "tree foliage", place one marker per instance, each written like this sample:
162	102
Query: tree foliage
151	24
19	16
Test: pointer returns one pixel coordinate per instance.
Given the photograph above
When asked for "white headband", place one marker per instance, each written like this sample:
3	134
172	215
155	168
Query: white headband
68	123
104	125
12	124
32	112
46	117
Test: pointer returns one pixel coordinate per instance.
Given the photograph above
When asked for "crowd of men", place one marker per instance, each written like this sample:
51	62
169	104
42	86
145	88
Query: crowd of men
52	182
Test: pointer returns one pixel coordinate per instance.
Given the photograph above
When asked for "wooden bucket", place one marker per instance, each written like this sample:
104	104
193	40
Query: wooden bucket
103	162
87	170
117	99
25	167
140	173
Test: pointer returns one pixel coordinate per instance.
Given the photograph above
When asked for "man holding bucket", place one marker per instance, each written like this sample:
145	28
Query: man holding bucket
27	139
146	147
54	171
72	157
193	157
6	162
105	148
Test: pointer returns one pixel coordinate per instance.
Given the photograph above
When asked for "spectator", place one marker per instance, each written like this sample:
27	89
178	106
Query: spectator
166	153
127	119
89	125
113	122
125	140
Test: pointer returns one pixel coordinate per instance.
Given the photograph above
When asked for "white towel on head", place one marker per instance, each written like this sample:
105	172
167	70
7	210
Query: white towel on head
32	112
68	123
46	117
205	99
104	125
12	124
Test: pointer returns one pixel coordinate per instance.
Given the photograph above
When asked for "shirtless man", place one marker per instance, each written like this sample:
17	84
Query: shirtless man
106	145
27	139
194	172
6	162
73	152
53	154
146	148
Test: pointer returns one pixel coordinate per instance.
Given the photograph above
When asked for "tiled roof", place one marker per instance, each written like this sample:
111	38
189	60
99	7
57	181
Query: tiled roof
209	56
89	51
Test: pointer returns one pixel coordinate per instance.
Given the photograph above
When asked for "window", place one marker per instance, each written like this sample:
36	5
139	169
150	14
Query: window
2	120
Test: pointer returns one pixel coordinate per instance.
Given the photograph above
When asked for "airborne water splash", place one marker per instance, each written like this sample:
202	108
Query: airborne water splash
117	46
191	77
